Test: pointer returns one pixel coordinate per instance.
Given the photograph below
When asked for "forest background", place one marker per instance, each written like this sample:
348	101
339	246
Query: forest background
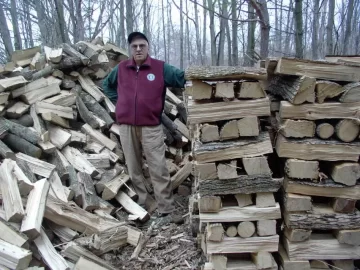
189	32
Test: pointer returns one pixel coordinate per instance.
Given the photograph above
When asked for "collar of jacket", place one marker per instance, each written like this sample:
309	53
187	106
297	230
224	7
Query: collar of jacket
131	63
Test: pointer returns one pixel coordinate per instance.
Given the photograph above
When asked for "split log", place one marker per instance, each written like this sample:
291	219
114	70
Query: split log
35	208
265	199
227	110
68	49
295	202
99	161
112	187
231	231
206	171
65	98
233	149
58	136
85	114
14	257
131	206
17	110
325	130
26	170
14	211
74	185
65	112
61	164
48	253
84	264
109	105
56	188
9	84
24	57
263	260
248	126
4	98
18	144
302	169
89	199
52	54
227	170
320	149
65	234
34	86
200	90
88	85
256	165
10	235
266	227
39	125
347	130
215	232
21	131
224	90
107	176
318	69
251	90
243	184
110	155
243	199
76	159
288	264
182	128
229	131
6	152
351	93
24	120
96	108
210	204
73	217
219	262
209	133
67	84
58	74
296	90
322	217
24	183
78	137
37	166
93	147
222	73
297	235
40	94
55	119
99	137
346	173
350	237
342	205
296	128
327	89
3	129
68	63
246	229
344	264
181	175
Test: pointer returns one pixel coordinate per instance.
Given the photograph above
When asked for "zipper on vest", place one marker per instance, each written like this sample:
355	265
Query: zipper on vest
136	88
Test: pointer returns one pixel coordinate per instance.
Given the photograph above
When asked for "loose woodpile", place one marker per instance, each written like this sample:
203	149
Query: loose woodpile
316	129
234	188
62	161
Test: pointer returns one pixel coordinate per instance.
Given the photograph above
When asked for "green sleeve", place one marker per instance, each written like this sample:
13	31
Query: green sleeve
110	85
173	76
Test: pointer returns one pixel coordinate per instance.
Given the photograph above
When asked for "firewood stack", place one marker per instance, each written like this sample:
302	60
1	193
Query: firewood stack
62	161
316	123
233	182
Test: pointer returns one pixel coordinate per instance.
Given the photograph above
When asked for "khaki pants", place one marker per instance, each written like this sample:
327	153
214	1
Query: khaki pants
151	140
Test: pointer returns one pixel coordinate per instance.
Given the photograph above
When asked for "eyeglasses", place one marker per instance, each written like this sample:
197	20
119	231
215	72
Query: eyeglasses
141	47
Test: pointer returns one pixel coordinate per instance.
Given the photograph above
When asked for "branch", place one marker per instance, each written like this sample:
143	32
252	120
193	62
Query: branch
185	13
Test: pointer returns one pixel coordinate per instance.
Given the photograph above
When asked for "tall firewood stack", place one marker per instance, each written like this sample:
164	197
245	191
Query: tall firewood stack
62	161
315	118
234	188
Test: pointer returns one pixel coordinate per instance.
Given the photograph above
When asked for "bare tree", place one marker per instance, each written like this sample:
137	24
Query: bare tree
129	17
298	29
350	11
211	7
5	33
315	27
288	29
197	35
164	30
204	31
234	28
221	48
15	25
250	49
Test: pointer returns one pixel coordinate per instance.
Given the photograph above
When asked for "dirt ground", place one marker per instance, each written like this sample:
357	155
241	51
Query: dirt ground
169	247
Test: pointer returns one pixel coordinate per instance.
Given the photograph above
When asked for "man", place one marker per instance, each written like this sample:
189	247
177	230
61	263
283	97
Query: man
138	86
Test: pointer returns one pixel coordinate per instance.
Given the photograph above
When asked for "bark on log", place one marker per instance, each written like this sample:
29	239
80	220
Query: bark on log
26	169
25	120
327	89
243	184
42	73
21	131
325	130
6	152
68	63
85	114
347	130
18	144
351	93
74	53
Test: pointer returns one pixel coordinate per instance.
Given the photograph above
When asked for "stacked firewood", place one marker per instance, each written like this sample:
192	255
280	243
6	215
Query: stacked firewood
63	174
234	188
316	127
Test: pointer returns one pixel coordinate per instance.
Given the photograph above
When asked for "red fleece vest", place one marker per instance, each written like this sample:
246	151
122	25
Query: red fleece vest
141	94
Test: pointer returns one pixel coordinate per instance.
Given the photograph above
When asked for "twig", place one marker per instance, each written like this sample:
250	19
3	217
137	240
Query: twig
142	242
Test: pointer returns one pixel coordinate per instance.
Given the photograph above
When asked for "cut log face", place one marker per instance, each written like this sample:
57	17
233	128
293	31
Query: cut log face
248	126
227	170
12	83
350	237
265	199
4	98
266	227
11	235
206	171
219	262
302	169
296	90
14	257
256	166
243	199
131	206
296	202
59	137
210	204
215	232
83	264
231	231
246	229
209	133
344	264
263	260
351	93
342	205
327	89
76	159
17	110
346	173
297	128
224	90
200	90
251	90
325	130
297	235
347	130
229	131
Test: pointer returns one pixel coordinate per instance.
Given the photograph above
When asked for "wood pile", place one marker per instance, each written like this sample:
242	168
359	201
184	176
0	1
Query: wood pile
233	208
63	177
315	118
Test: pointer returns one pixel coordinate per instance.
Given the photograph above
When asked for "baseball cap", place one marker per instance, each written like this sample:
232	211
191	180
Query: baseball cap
136	35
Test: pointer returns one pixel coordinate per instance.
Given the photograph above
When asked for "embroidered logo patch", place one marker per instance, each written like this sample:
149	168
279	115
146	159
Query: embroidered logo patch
151	77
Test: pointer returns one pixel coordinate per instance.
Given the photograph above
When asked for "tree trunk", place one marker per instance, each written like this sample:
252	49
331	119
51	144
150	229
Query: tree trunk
28	23
315	27
41	22
169	30
5	33
181	36
197	34
329	28
187	35
204	33
250	54
298	29
305	29
279	44
228	41
263	14
129	17
221	49
61	21
211	7
164	30
235	49
15	25
350	11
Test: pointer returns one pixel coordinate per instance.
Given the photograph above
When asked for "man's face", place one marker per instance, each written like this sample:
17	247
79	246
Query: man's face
139	49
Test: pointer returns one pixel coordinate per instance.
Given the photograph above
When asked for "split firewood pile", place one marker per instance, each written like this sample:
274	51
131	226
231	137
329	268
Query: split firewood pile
316	126
63	177
233	208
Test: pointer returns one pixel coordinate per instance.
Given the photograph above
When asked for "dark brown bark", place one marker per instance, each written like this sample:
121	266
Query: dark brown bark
18	144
